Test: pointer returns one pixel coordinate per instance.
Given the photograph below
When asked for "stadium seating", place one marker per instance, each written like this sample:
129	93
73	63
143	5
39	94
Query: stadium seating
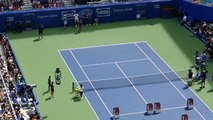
17	98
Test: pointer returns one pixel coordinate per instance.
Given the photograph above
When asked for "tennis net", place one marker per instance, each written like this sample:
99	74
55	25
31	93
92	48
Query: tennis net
155	78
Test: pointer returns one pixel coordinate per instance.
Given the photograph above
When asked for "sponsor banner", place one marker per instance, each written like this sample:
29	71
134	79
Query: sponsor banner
156	6
47	16
10	19
122	10
103	12
69	14
83	12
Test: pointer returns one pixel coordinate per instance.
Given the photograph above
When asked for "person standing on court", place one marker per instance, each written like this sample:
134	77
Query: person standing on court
80	24
40	31
49	83
76	19
81	91
87	19
52	90
203	76
65	21
190	77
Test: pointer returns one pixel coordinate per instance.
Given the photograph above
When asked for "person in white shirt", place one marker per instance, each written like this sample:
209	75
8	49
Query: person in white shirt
184	20
76	19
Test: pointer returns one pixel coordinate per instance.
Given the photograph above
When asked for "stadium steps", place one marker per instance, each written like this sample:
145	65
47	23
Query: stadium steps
68	3
27	5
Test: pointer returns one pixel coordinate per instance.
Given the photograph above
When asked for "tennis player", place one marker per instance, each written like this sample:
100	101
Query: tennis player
81	91
190	77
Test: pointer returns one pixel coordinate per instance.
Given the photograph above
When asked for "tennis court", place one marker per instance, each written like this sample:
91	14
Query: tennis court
129	76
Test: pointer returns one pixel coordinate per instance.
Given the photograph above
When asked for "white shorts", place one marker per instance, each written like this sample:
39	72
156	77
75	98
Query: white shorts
65	22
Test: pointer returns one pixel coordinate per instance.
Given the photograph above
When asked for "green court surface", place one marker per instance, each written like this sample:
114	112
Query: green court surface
39	58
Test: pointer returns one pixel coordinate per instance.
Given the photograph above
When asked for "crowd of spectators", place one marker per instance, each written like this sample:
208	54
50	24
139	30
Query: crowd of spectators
10	5
205	31
17	96
201	29
37	4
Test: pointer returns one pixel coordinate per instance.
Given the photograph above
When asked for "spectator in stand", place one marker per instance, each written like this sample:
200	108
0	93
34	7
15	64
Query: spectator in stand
2	8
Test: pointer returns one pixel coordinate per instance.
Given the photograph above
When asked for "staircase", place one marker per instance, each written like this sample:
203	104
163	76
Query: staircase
68	3
27	5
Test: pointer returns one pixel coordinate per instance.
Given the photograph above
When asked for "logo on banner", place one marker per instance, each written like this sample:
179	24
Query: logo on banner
69	14
10	19
156	6
29	14
103	12
85	11
141	14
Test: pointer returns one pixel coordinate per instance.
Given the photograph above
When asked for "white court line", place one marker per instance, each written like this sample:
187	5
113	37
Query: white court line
123	61
178	76
108	45
167	78
131	83
91	84
76	82
164	109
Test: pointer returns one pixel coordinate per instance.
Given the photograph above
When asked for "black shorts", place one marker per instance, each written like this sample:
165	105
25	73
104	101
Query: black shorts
203	80
40	32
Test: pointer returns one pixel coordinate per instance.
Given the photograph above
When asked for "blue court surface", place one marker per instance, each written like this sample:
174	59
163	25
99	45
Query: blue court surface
129	76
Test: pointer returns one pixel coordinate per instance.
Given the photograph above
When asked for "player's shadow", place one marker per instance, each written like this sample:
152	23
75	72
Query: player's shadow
211	90
36	40
76	99
44	117
76	33
45	92
49	98
198	90
186	87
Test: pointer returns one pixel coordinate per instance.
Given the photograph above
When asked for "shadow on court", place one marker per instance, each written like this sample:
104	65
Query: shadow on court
198	90
44	93
76	99
49	98
44	117
36	40
211	90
